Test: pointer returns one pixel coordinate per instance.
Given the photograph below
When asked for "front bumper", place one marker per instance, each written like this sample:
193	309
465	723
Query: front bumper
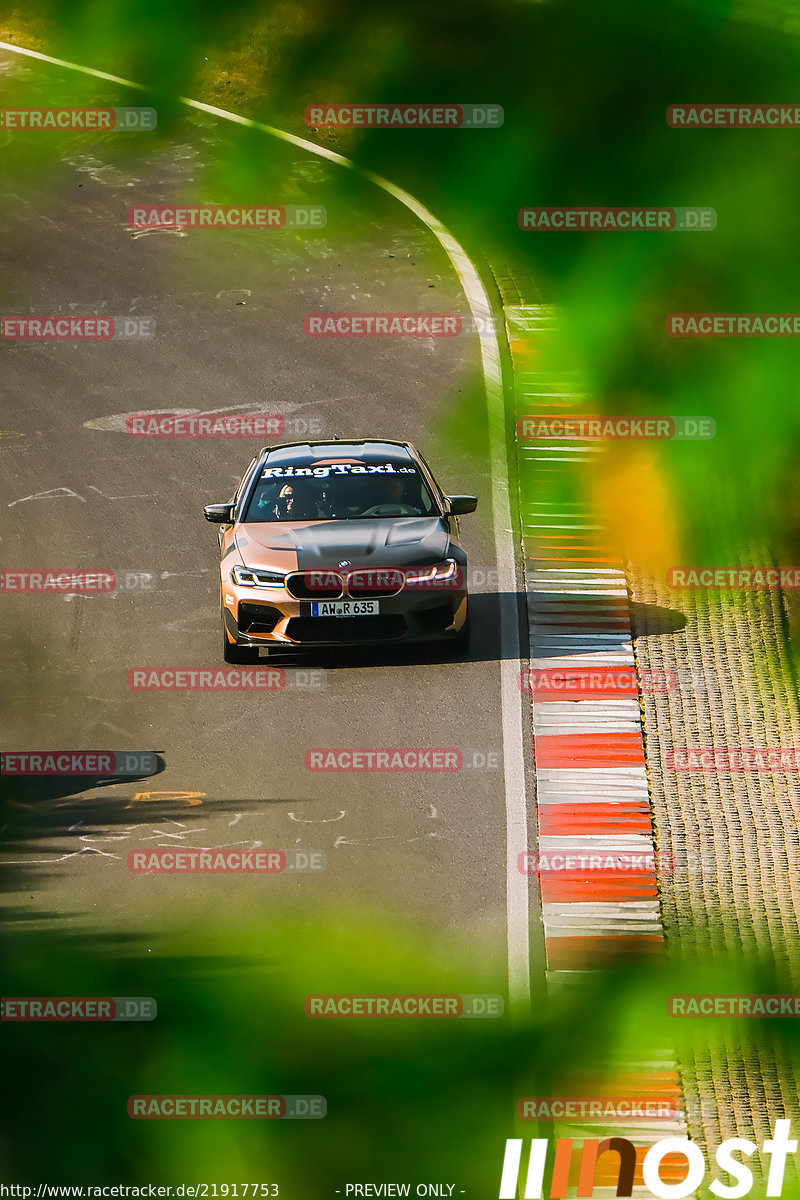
271	617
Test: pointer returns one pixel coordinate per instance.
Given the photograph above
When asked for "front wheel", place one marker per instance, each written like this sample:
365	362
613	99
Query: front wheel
235	654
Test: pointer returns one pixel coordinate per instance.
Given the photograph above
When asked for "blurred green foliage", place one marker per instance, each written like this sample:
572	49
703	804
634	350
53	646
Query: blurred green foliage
585	89
426	1100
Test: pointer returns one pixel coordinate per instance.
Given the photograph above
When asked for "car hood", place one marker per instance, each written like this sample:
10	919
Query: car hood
311	545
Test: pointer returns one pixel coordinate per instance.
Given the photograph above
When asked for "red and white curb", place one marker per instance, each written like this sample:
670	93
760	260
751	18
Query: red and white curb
592	791
591	782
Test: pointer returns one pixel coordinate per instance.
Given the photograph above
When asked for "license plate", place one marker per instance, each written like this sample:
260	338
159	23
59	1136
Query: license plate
345	608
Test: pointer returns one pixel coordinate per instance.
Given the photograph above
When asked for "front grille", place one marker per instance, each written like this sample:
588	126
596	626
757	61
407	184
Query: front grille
314	585
375	581
346	629
258	618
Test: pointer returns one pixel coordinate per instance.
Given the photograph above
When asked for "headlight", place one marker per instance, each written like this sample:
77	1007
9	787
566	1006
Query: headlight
445	574
252	577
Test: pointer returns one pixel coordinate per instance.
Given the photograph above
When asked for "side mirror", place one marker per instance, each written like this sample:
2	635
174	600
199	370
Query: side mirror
458	505
220	514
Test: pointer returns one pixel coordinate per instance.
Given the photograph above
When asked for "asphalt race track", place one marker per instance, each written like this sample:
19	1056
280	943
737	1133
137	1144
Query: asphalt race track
79	492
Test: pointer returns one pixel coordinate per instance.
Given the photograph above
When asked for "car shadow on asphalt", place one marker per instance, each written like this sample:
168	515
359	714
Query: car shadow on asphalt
647	620
485	642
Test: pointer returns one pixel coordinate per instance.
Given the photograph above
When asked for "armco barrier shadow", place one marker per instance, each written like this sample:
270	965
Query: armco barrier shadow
36	790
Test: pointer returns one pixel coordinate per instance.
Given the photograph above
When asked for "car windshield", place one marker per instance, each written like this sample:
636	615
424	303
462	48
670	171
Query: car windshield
349	491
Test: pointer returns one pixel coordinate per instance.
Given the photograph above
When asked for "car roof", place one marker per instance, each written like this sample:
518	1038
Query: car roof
301	453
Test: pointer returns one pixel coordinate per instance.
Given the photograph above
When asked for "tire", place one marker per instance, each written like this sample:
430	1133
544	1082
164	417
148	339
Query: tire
236	655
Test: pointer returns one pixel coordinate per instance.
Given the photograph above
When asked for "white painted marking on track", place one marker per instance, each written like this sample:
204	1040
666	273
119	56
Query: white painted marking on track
93	837
135	496
185	574
318	820
60	493
26	862
117	422
163	833
343	841
140	233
